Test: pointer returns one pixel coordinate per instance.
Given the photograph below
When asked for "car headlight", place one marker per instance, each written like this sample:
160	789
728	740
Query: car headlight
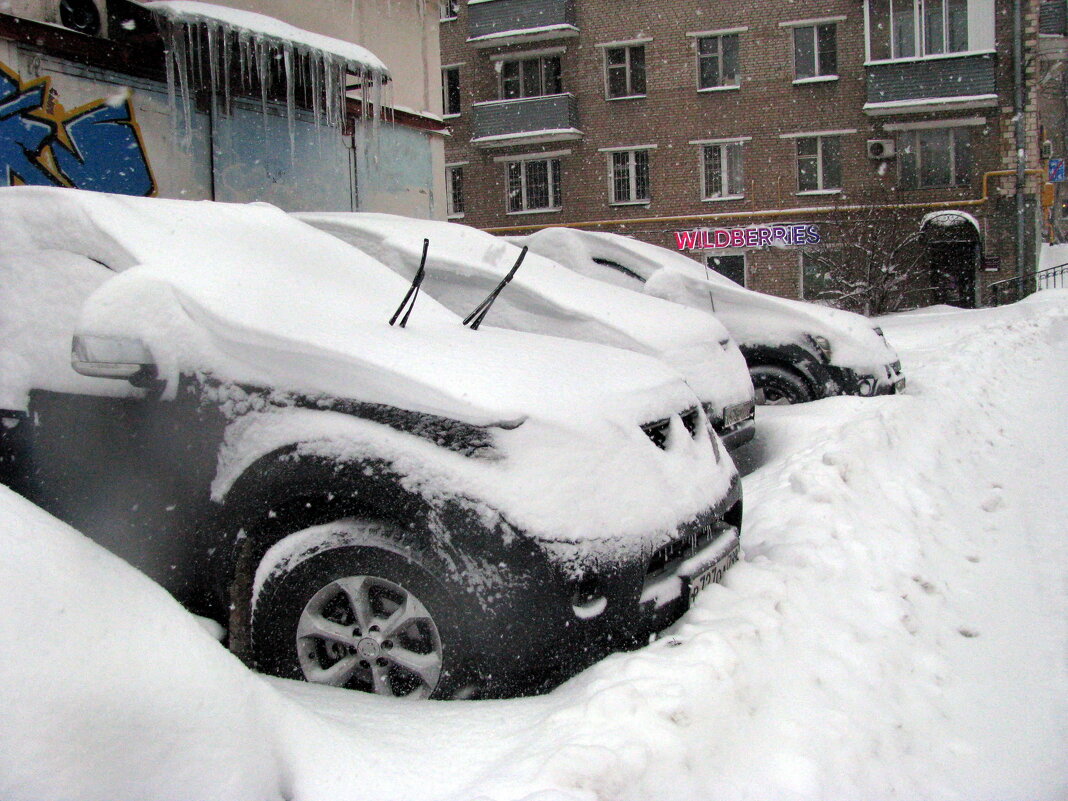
823	345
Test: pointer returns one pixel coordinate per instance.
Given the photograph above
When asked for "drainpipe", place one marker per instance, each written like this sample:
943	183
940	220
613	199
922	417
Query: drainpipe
1021	145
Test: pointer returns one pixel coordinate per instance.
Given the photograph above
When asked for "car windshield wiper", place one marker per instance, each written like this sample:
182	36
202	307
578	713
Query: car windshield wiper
480	311
413	290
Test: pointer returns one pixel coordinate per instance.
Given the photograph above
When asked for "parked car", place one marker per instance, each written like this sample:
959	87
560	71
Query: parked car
214	393
464	264
796	351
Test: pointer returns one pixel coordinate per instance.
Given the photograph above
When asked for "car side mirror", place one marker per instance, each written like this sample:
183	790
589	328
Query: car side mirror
113	357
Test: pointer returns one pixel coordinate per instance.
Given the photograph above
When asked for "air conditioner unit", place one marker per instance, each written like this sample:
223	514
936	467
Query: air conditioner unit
84	16
881	148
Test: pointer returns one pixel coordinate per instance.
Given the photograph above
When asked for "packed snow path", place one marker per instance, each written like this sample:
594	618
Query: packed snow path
897	629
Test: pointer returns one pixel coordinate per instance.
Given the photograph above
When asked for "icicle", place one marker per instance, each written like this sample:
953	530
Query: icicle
226	62
211	31
263	69
291	99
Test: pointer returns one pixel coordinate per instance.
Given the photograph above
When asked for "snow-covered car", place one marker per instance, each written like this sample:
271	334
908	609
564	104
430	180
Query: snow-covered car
463	265
796	351
417	509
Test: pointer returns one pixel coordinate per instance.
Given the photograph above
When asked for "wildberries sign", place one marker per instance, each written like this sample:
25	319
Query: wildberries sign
756	236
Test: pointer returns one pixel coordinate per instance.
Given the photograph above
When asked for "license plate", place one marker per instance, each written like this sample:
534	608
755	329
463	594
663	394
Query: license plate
714	573
737	413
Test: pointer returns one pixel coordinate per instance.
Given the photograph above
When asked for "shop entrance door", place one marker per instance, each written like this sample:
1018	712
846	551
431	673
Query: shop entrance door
953	273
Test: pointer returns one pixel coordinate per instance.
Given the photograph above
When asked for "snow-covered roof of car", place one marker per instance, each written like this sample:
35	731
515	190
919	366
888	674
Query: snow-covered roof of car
752	317
546	298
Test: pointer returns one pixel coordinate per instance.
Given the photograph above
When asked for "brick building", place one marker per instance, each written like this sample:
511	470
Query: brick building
797	120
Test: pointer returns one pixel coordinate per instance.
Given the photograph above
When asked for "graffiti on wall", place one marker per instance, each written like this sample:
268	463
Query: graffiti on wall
96	146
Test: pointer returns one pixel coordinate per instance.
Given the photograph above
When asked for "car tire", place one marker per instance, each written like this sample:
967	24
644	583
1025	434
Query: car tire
364	618
780	387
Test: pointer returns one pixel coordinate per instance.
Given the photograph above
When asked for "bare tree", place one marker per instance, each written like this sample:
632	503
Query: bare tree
869	261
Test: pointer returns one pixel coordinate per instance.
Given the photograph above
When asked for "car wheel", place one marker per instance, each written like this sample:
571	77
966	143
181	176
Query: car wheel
780	387
363	618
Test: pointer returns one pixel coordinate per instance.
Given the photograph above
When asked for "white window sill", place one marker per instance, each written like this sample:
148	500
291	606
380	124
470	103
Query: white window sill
447	19
459	216
721	198
630	202
816	79
534	211
719	88
627	97
450	116
819	192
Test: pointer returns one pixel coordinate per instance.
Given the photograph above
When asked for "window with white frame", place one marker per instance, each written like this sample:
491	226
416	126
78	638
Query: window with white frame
717	61
530	77
450	91
815	51
625	71
935	157
721	171
917	28
534	185
819	163
454	190
449	9
629	176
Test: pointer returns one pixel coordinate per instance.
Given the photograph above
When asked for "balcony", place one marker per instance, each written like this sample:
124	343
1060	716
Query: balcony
932	84
492	23
528	120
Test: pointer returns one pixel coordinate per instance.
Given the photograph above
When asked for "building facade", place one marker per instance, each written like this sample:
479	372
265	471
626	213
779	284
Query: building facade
760	138
87	100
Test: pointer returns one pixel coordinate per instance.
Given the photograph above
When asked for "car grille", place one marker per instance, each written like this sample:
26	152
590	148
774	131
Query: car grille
657	431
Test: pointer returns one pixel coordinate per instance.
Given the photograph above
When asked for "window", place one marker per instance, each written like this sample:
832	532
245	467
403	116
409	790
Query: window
815	278
721	174
534	185
450	91
815	51
625	71
530	77
819	163
717	61
935	157
732	267
454	190
914	28
449	9
629	176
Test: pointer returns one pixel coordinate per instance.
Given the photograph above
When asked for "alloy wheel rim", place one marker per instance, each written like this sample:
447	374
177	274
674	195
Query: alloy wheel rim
369	633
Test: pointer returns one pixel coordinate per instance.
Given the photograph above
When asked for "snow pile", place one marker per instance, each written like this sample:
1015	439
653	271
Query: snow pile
110	690
1053	256
752	318
465	264
264	52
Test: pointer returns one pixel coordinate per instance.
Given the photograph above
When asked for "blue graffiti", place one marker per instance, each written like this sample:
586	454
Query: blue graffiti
97	147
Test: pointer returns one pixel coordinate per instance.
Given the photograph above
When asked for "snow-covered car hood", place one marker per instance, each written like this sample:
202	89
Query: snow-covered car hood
752	317
465	264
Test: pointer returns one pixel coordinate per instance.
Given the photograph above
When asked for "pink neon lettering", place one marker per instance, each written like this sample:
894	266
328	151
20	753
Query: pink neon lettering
721	237
737	237
686	240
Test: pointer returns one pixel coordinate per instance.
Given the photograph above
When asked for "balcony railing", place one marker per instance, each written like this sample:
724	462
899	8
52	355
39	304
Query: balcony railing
498	123
496	22
955	80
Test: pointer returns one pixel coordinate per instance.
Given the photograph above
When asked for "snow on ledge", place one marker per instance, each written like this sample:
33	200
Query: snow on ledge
947	218
269	29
